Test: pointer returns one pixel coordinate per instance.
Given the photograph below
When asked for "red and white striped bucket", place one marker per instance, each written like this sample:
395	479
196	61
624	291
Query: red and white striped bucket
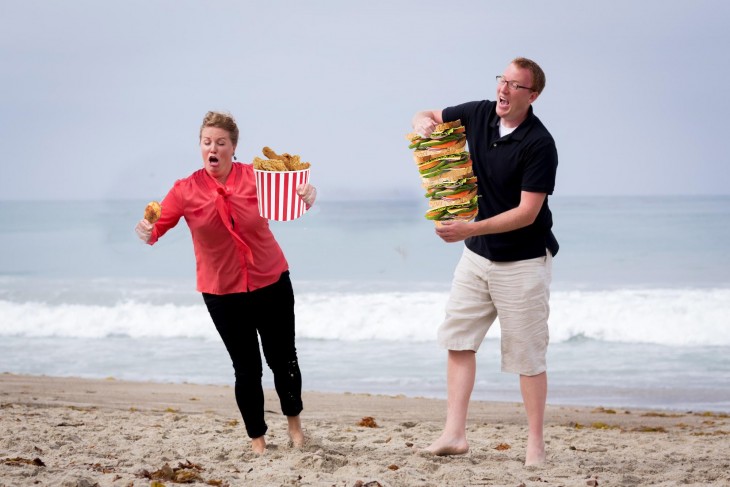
277	194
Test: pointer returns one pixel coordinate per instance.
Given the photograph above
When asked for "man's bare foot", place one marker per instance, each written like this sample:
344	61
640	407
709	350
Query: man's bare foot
296	435
448	446
535	454
258	445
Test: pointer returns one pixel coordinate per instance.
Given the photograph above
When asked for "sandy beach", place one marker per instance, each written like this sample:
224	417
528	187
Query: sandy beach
81	432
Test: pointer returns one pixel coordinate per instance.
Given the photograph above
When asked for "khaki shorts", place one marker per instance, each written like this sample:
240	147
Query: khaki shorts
516	292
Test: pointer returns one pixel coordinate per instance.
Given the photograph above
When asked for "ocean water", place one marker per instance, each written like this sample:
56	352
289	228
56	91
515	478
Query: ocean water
640	300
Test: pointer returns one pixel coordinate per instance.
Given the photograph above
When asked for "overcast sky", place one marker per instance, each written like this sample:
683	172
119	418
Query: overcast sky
105	99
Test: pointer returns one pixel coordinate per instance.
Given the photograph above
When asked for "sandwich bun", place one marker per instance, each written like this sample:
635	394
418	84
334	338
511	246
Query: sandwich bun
424	155
451	175
464	217
446	201
447	125
438	128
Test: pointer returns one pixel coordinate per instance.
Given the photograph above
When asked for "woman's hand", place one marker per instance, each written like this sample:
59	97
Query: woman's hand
307	193
144	230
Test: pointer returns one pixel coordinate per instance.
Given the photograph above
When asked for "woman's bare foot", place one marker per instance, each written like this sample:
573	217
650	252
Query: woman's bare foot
295	431
448	446
535	454
258	445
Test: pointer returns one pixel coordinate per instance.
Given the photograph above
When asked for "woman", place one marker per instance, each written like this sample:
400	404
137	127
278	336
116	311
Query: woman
241	272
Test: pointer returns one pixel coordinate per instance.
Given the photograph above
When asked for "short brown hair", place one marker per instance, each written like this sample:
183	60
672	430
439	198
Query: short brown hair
223	121
538	76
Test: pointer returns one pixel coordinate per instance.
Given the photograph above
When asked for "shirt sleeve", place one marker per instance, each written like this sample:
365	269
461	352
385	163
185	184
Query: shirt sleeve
541	166
463	112
172	210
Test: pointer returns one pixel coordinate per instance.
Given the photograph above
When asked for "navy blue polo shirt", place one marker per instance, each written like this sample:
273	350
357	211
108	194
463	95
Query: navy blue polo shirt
525	160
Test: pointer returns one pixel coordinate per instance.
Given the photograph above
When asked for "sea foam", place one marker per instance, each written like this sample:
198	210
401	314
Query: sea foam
673	317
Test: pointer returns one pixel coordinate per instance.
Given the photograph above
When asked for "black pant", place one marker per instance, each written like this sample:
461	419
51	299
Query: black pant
270	312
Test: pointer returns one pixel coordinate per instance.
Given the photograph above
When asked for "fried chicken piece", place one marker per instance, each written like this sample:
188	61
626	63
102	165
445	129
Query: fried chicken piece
298	166
152	211
278	165
285	157
270	154
269	164
291	162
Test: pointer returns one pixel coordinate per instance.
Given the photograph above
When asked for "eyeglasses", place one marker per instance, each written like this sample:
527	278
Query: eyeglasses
501	81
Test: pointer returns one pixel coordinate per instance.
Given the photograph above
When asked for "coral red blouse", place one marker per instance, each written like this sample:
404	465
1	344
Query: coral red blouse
235	250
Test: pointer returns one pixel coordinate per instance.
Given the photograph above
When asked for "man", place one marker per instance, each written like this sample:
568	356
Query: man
506	267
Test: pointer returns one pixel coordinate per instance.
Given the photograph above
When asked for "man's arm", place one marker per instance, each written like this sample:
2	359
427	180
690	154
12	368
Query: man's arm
519	217
425	121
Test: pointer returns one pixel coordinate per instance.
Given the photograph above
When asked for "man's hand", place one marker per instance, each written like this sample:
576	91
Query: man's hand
424	126
425	121
454	231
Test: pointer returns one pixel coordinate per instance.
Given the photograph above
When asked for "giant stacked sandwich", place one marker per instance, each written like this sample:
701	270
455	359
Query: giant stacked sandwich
446	172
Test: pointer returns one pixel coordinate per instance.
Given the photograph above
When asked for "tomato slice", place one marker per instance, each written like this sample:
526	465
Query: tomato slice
428	165
444	145
468	215
456	196
462	165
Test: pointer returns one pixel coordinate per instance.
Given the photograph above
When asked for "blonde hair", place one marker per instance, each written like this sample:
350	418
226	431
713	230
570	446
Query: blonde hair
538	75
223	121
